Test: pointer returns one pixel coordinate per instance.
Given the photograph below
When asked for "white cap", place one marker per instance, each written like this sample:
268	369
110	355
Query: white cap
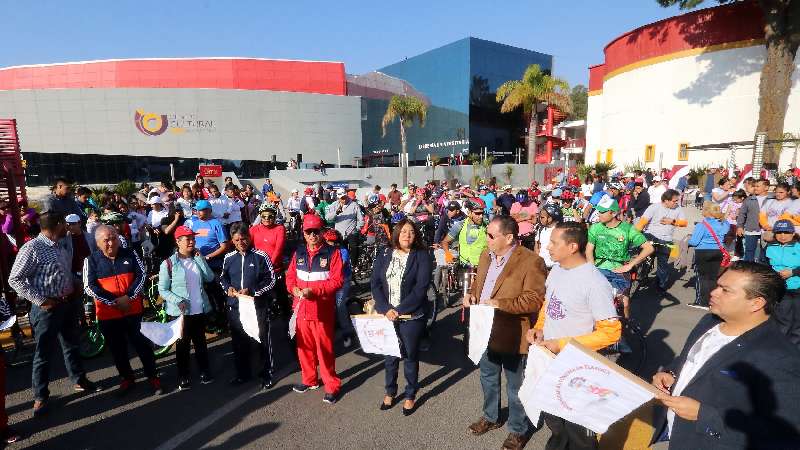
340	192
155	200
72	218
628	175
656	178
295	191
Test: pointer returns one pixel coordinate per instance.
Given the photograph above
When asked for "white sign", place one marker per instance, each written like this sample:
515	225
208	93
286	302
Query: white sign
481	318
247	316
585	388
539	359
163	334
376	334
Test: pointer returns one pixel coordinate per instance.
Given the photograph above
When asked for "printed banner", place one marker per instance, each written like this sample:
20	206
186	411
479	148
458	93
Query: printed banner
247	316
163	334
376	334
585	388
481	318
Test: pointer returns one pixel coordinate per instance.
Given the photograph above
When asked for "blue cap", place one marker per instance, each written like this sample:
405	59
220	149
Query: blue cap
783	226
557	192
202	204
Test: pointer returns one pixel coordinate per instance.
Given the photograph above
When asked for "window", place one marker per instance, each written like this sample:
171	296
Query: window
599	155
683	151
649	153
609	156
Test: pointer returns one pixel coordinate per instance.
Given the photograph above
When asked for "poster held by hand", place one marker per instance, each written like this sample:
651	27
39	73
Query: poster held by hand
481	318
376	334
247	316
163	334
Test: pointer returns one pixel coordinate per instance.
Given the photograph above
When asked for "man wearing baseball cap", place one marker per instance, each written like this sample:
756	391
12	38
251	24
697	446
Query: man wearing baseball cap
213	244
347	218
313	277
783	255
610	241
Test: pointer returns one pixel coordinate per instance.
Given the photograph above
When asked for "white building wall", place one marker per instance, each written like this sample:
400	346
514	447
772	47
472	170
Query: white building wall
704	99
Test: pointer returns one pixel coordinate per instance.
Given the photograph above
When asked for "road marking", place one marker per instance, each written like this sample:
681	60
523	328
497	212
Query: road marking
205	422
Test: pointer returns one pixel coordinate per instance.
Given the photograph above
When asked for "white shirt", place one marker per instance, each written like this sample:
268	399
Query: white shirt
394	276
702	350
544	241
137	222
655	192
185	205
154	217
193	286
293	204
219	207
235	206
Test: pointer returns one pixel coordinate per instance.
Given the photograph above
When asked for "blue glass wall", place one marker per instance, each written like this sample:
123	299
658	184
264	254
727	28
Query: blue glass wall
460	79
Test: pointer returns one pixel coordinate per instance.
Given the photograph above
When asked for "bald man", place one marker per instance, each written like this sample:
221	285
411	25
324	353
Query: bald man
114	277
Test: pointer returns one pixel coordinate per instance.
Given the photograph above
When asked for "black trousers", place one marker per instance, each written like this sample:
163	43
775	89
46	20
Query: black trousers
410	333
787	316
194	332
706	266
118	332
567	435
242	343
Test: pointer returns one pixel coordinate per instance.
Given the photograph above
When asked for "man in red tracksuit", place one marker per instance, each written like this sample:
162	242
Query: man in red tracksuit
313	277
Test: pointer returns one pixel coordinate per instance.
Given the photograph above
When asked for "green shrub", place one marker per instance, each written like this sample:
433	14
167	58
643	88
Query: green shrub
126	188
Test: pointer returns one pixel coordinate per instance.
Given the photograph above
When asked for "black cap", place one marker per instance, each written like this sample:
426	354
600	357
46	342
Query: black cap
453	206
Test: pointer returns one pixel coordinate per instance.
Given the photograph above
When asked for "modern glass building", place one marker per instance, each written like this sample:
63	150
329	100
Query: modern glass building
460	80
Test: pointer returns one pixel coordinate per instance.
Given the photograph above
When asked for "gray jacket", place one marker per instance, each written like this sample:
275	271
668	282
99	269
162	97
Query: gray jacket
748	214
64	205
347	221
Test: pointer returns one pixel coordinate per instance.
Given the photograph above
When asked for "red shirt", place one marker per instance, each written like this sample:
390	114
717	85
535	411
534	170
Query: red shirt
271	241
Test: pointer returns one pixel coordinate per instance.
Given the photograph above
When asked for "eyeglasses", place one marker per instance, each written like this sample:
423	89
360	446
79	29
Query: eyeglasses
311	231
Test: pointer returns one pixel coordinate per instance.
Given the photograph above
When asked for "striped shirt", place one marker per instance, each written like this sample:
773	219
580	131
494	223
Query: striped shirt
42	270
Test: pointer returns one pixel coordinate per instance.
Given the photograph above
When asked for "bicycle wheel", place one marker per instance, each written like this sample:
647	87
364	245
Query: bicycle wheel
435	302
92	342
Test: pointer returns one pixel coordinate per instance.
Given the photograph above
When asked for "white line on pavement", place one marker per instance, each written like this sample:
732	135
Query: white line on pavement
205	422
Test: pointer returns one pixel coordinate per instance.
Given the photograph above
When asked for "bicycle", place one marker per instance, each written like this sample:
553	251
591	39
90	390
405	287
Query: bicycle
362	268
155	310
92	342
645	268
630	351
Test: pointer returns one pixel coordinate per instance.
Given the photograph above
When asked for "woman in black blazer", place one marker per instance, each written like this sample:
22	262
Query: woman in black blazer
400	279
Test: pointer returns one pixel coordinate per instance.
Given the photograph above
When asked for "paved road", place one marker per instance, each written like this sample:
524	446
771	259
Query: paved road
217	416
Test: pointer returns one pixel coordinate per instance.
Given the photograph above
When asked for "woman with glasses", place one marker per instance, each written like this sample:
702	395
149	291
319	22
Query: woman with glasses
314	275
399	284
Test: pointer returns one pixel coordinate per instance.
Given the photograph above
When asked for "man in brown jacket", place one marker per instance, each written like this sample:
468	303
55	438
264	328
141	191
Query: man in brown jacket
510	278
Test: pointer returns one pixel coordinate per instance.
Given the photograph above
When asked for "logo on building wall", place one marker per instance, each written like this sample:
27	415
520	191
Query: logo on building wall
150	124
154	124
442	144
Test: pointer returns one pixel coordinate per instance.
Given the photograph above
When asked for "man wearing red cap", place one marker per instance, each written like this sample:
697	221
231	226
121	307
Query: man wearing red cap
313	277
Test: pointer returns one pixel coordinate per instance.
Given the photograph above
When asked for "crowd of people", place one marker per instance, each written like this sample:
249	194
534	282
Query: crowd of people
555	260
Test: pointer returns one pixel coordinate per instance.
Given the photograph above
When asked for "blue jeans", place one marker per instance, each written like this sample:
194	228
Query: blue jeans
490	367
342	314
58	324
752	247
663	267
410	333
619	281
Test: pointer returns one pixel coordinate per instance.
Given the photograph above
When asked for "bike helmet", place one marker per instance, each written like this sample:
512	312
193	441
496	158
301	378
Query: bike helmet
420	191
373	200
474	203
554	211
308	191
112	218
567	195
266	207
556	193
397	217
522	196
329	187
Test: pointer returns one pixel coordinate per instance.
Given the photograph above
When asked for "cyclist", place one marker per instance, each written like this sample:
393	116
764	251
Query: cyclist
549	217
570	208
609	248
524	212
658	223
376	222
451	214
421	211
469	233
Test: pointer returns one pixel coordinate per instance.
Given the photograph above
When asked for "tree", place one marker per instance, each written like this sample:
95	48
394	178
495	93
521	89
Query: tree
435	161
535	88
579	96
406	109
782	38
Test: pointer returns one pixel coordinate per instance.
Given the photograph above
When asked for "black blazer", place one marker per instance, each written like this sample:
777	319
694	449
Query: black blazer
413	288
749	393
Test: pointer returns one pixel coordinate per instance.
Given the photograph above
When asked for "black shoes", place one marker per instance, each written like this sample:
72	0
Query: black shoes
267	384
330	398
300	388
383	406
206	378
238	381
184	384
84	385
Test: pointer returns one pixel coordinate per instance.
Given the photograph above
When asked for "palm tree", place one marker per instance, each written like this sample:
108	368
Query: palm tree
406	109
535	88
435	161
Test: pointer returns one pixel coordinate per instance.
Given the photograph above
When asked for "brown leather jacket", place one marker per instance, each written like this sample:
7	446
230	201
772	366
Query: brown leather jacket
519	293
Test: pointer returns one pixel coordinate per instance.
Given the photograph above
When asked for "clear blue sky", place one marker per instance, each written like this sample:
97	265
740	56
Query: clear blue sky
364	35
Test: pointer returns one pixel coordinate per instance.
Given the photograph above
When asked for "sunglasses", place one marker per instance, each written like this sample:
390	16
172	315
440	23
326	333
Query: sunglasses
477	213
311	231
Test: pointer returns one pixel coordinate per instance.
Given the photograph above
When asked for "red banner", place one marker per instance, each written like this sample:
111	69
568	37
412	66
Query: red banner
210	171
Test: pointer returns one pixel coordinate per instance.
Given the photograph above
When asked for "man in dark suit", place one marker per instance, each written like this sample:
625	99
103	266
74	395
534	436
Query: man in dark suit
510	278
736	384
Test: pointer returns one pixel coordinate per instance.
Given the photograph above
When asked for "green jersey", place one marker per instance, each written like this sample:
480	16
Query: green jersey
612	245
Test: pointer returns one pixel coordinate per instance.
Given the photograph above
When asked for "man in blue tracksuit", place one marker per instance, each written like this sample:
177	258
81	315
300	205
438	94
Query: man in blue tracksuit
248	271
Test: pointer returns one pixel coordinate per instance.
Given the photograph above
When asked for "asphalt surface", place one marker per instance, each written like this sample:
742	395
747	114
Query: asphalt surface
217	416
